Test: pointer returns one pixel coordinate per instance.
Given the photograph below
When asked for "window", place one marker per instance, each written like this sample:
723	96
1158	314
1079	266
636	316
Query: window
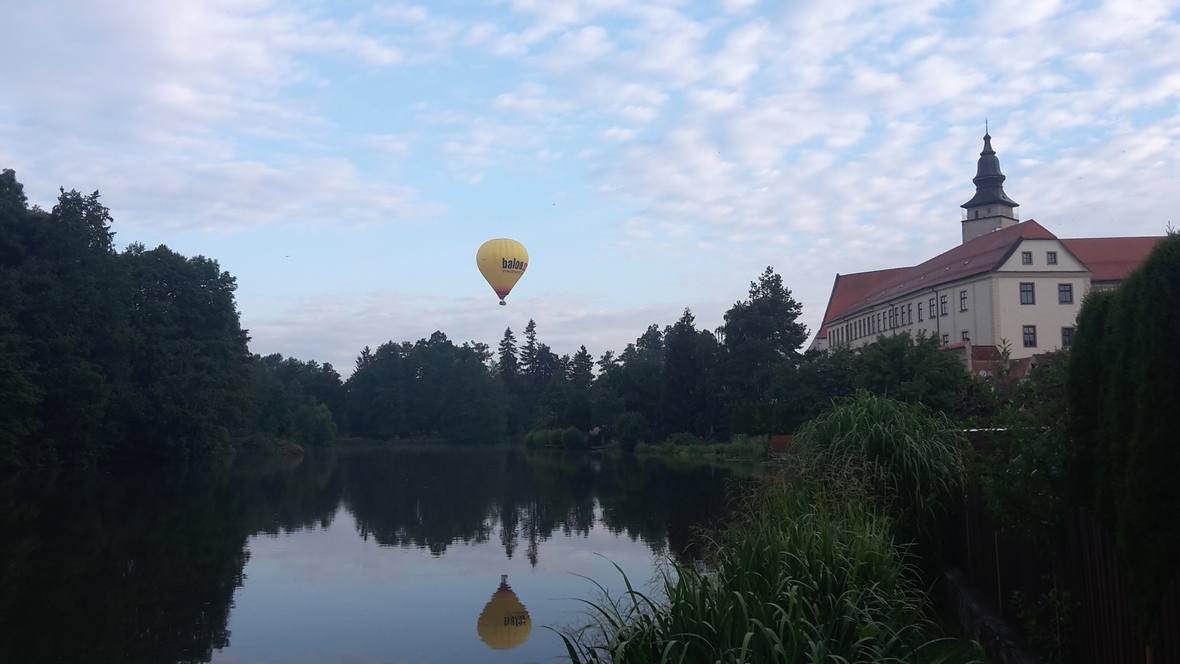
931	308
910	312
919	312
1028	293
942	305
1051	258
1030	336
1026	257
965	335
962	300
1066	337
946	339
1064	293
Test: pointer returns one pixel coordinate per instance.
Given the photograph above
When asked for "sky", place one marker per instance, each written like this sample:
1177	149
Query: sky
344	160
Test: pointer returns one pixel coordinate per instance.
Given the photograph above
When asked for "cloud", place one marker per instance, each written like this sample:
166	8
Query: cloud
737	6
394	145
618	134
817	136
166	139
531	99
578	48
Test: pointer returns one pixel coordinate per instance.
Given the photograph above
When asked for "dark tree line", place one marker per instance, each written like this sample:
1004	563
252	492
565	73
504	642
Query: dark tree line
140	354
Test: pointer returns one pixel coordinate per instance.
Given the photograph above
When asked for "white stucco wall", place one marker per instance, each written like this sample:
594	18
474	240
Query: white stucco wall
1048	315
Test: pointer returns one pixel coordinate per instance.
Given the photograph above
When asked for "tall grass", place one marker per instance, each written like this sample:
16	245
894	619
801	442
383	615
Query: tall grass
810	569
911	457
801	576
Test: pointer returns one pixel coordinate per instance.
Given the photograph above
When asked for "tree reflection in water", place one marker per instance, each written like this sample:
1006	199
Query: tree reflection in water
141	564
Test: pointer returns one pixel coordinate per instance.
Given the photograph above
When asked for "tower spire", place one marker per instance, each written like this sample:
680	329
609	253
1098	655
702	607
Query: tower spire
989	179
990	208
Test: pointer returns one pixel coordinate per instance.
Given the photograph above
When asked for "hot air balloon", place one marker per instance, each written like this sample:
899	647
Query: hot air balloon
502	262
504	623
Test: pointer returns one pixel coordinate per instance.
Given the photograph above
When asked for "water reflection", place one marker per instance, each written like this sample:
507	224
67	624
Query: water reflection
504	622
142	565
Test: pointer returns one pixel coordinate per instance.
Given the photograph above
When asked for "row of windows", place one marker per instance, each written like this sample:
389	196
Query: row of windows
1026	258
1030	336
893	318
1029	332
1028	293
901	315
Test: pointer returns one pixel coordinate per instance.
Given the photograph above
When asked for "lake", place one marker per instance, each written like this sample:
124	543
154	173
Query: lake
391	556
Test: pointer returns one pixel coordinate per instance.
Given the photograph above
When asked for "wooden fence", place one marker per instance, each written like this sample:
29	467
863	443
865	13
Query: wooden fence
1070	604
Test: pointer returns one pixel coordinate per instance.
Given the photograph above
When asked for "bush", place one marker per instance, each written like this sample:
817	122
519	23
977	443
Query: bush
569	437
314	425
683	439
631	429
910	456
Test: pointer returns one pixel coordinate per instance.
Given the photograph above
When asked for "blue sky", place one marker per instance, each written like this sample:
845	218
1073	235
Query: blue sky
345	159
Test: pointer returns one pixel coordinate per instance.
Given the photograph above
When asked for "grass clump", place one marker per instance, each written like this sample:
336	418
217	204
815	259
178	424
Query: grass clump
909	456
800	576
810	568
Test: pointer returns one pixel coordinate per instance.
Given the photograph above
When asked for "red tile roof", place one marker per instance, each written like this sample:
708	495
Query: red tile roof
1111	258
849	288
985	253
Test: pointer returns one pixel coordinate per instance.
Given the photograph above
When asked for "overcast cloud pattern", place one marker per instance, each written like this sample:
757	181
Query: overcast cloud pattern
345	165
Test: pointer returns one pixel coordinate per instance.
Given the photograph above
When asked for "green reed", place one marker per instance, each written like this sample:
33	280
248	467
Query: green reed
910	456
809	569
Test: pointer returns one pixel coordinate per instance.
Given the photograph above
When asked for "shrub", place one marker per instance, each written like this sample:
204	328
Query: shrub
631	429
569	437
314	425
683	439
910	456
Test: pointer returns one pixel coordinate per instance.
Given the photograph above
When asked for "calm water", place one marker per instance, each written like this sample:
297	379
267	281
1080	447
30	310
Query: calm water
357	557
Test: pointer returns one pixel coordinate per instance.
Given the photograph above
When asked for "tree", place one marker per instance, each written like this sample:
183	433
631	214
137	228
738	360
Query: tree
689	375
1122	388
582	370
528	352
507	364
759	334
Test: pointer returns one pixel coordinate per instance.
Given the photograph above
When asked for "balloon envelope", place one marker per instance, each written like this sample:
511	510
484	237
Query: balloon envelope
502	262
504	623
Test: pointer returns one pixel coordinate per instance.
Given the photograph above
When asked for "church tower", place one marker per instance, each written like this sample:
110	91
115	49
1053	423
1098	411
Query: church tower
990	209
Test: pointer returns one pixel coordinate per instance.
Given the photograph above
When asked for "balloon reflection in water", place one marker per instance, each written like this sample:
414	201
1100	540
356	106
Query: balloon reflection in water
504	623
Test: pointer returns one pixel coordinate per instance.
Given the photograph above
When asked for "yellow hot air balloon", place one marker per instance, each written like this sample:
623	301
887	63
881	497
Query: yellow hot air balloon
504	623
502	262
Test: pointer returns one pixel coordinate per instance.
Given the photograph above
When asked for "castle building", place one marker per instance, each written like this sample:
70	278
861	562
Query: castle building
1010	282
